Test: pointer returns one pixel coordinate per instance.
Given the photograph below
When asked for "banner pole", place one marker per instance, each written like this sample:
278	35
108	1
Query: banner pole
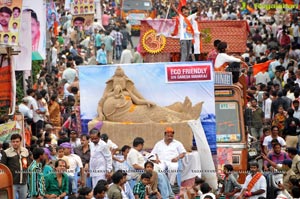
13	82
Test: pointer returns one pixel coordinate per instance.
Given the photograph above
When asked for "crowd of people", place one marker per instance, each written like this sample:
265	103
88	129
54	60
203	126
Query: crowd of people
59	160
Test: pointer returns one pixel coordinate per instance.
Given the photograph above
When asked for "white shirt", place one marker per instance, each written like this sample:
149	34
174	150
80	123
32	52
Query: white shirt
36	116
75	144
297	114
267	108
135	157
69	74
66	92
101	159
111	145
268	139
74	163
126	57
30	101
168	152
208	194
183	34
25	110
260	184
262	77
260	49
296	32
53	56
223	58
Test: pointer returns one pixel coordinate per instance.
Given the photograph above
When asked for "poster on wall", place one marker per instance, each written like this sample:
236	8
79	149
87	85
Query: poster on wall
52	15
224	157
83	22
135	100
79	7
23	60
38	26
10	22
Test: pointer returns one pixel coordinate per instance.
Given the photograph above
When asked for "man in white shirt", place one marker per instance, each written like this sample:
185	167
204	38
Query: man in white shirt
266	107
259	48
135	160
255	185
262	77
186	31
267	144
75	163
126	56
101	158
70	73
168	152
229	63
39	112
24	109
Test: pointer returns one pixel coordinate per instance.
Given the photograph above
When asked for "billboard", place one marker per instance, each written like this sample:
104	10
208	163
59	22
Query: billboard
141	98
80	7
38	26
10	22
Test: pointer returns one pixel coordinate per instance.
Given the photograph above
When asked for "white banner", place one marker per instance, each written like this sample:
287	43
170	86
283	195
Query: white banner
23	59
38	25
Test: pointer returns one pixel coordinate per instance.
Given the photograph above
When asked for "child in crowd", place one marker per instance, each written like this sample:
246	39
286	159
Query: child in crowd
266	132
139	190
85	193
151	188
100	191
194	191
61	155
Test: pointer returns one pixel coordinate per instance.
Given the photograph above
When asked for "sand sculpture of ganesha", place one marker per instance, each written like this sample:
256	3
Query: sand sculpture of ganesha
121	102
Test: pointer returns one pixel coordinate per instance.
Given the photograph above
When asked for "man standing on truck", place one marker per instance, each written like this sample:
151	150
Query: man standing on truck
185	27
16	159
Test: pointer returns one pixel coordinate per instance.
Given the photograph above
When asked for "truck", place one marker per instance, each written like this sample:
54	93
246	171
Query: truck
135	11
6	183
230	126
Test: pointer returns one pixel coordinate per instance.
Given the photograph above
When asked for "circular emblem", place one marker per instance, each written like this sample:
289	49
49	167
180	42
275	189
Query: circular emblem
152	42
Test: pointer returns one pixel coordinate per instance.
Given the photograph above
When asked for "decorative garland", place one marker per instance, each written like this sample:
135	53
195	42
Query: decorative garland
153	43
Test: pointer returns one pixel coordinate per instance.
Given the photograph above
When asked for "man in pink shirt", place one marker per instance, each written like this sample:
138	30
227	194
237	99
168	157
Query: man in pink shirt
105	20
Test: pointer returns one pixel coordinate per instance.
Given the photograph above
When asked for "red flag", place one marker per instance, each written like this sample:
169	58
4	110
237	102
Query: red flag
181	3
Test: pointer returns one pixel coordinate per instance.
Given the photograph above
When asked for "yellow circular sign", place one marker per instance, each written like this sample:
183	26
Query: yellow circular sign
152	42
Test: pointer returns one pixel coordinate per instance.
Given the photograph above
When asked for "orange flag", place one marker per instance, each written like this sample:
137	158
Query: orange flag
290	2
261	67
250	9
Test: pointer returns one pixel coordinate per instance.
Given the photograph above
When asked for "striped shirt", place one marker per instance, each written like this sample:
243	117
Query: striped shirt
118	38
36	179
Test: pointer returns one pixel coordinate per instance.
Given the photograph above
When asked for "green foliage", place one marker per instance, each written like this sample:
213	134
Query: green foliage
207	35
19	89
36	67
